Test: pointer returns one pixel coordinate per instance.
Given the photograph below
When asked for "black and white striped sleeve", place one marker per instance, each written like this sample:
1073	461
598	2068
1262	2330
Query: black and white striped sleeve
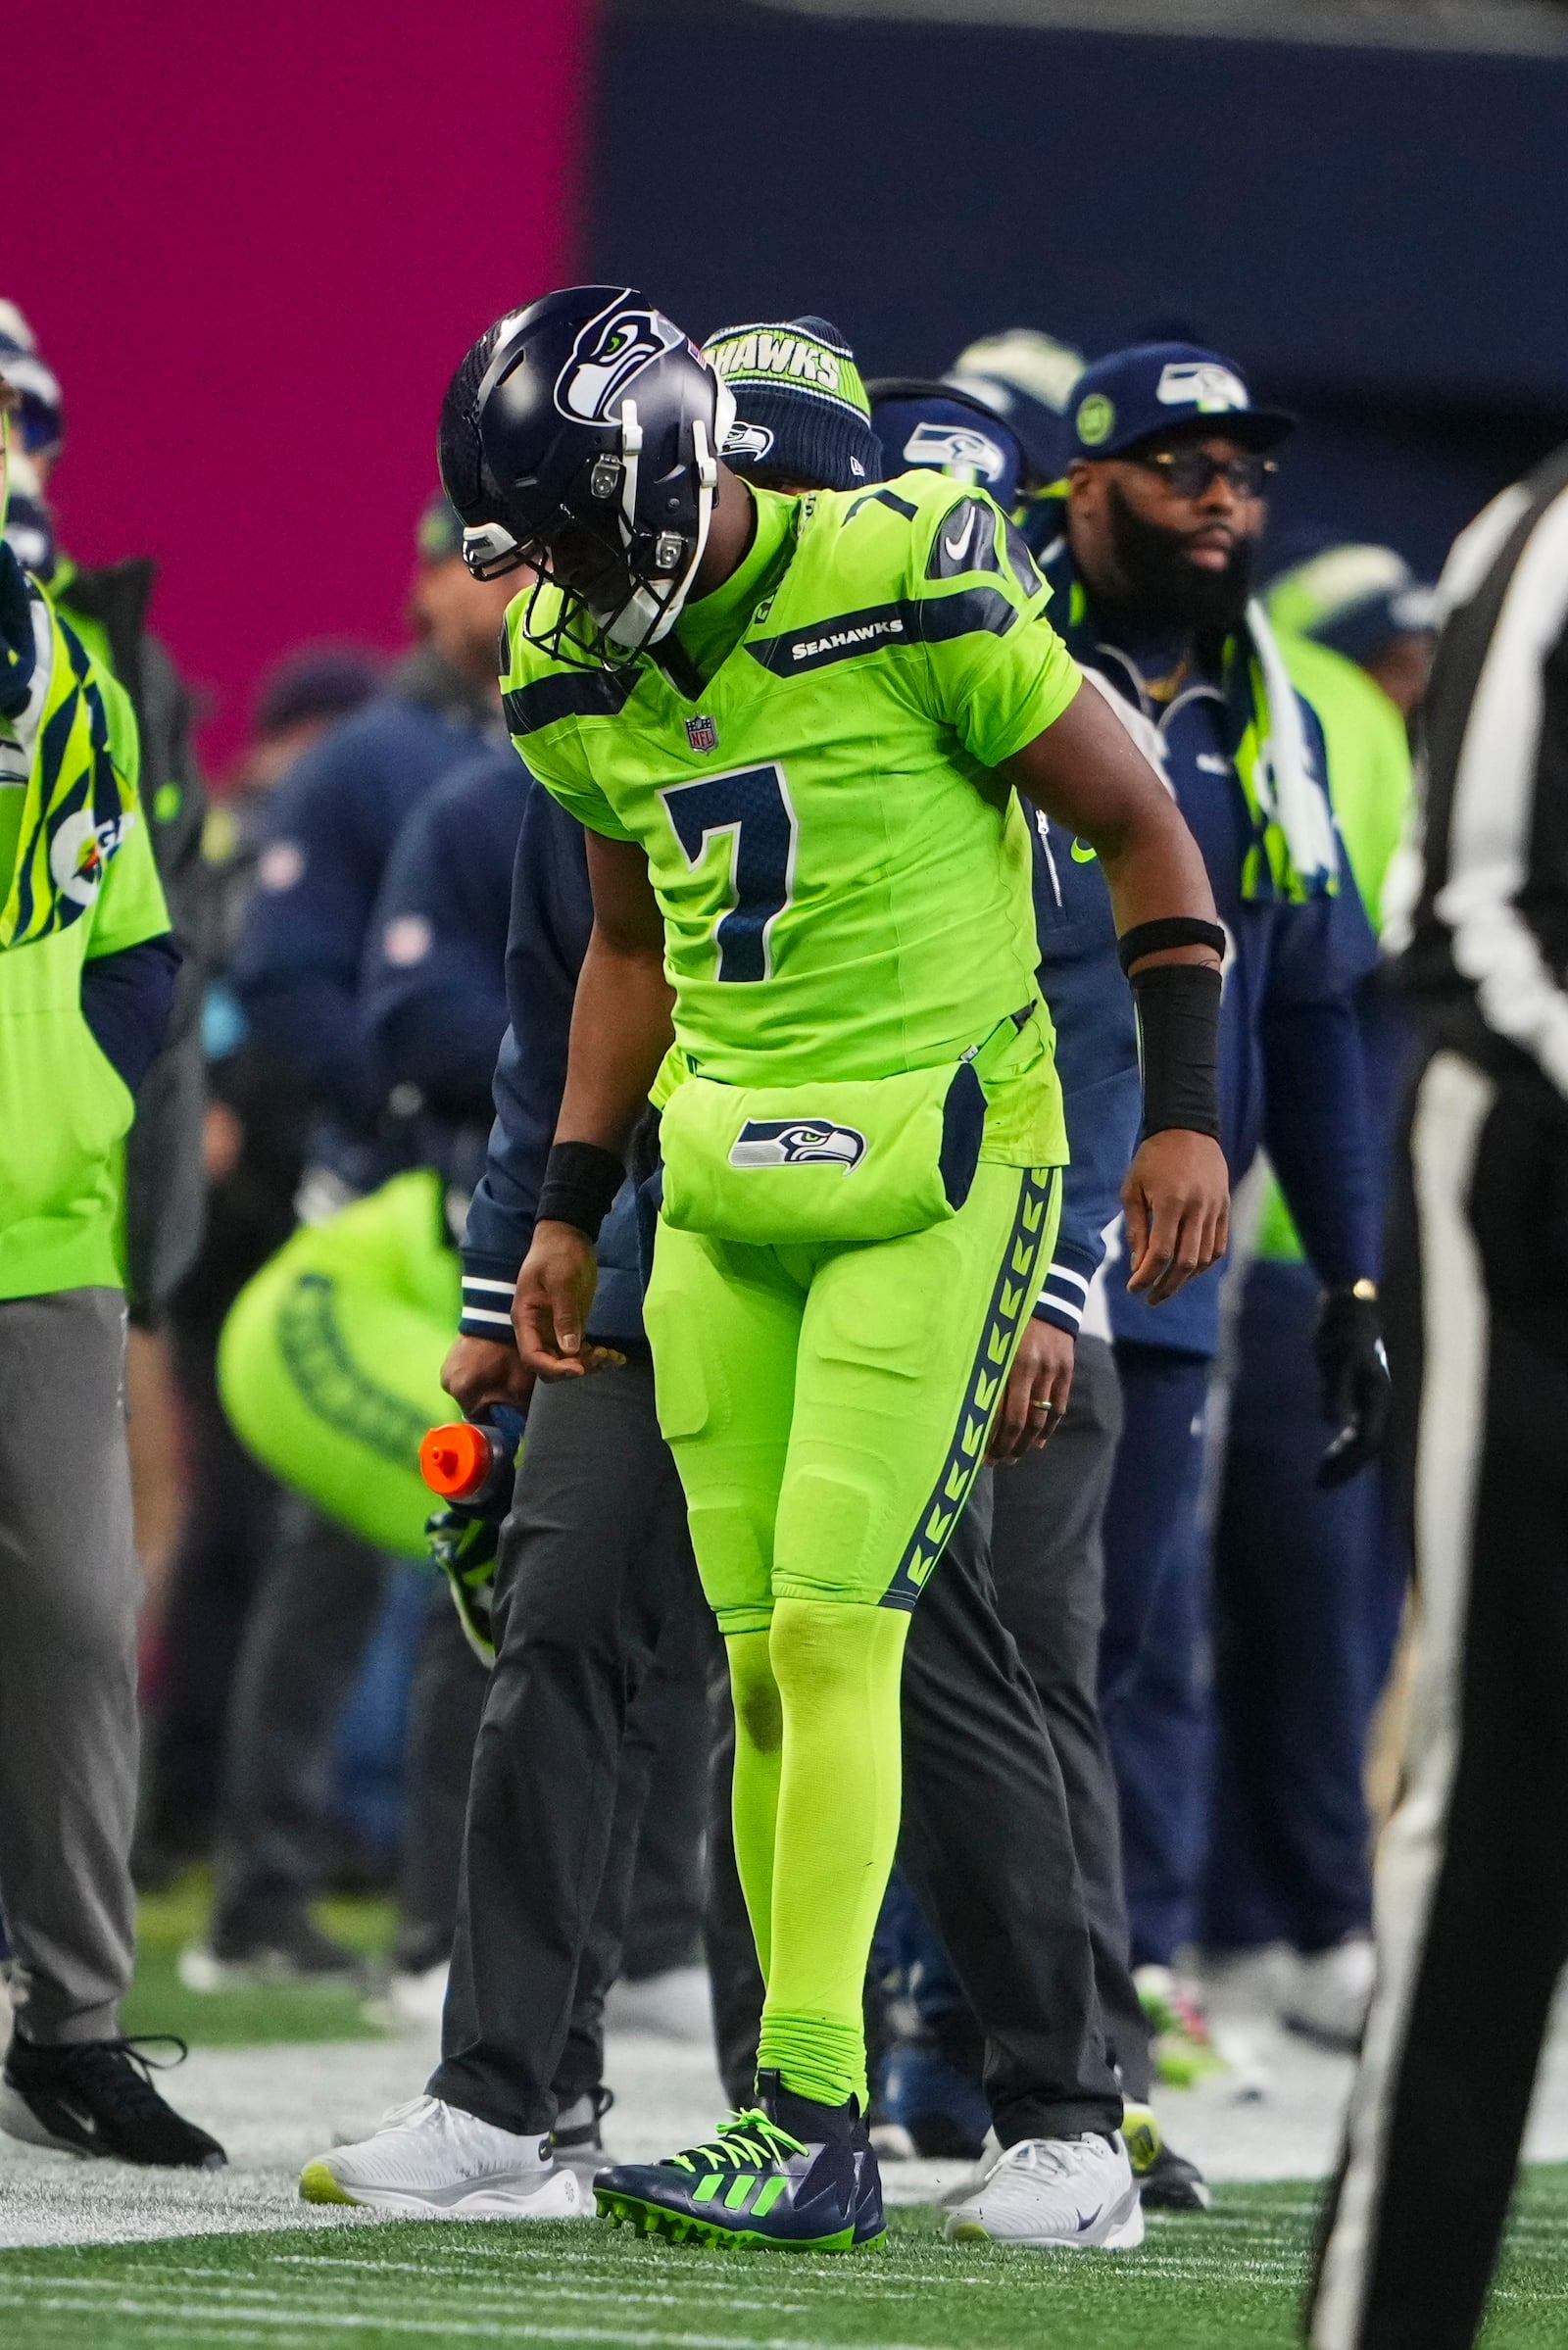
1489	918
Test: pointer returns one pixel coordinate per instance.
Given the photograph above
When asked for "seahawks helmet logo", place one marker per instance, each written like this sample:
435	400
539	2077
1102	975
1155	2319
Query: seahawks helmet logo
1205	384
747	444
948	445
797	1143
613	347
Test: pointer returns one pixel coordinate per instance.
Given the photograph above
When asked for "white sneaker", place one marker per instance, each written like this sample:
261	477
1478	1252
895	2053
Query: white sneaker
677	2005
1331	1992
892	2142
430	2160
577	2143
412	2002
1074	2192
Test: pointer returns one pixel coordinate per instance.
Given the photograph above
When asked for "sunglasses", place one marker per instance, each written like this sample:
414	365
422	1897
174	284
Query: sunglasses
1187	472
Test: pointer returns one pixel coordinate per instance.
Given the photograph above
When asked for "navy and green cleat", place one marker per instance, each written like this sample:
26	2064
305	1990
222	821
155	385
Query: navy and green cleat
786	2175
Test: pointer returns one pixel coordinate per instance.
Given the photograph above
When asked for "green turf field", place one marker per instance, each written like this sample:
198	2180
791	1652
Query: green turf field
1228	2281
277	2011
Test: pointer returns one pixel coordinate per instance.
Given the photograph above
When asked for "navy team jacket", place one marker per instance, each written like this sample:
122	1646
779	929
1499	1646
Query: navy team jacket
329	831
551	914
434	999
1291	1074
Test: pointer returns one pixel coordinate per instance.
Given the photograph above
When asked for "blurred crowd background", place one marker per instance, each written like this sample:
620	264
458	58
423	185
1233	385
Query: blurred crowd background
242	295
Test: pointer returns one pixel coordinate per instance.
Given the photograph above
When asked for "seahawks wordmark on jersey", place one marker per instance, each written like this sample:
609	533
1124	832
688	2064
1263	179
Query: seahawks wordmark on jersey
845	886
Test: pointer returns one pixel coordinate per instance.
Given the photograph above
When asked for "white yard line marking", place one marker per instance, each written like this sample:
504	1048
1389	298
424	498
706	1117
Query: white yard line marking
315	2321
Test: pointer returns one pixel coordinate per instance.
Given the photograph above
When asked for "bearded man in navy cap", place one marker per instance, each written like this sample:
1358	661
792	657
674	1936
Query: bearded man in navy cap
1153	573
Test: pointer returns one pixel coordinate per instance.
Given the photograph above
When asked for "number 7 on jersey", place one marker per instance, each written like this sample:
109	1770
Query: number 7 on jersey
753	805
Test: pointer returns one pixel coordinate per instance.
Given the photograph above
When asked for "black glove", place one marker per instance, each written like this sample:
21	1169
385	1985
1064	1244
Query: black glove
1355	1372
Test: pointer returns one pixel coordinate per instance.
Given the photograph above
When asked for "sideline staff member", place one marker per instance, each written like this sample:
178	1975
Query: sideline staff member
1477	1303
87	971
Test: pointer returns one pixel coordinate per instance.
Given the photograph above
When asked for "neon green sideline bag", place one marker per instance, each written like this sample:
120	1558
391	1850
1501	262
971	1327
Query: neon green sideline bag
843	1160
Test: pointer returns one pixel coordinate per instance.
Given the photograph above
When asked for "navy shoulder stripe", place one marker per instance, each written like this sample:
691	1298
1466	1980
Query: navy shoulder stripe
567	694
911	620
900	505
1021	559
967	614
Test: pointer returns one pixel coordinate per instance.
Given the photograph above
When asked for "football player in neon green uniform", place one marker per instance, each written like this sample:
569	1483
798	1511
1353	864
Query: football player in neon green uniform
793	728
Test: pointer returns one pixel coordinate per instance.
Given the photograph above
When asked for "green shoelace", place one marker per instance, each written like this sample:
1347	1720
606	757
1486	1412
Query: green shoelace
746	2140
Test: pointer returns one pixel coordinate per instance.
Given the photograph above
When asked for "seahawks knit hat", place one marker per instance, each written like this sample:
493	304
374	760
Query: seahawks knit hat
800	410
1355	599
43	419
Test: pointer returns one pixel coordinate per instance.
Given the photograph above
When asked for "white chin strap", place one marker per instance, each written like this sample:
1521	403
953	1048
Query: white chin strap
645	619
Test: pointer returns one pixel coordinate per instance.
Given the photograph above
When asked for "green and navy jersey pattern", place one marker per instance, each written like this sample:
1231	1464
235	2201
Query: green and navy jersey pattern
78	803
845	881
1026	1256
79	887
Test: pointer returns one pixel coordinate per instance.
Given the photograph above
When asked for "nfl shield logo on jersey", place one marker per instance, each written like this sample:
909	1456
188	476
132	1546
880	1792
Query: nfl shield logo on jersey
702	734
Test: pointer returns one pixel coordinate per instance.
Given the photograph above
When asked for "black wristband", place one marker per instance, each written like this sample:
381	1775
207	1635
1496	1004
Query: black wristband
580	1181
1178	1045
1170	930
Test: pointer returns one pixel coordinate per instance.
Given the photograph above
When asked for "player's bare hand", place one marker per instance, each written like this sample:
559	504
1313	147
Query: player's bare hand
555	1291
1177	1202
480	1371
1038	1387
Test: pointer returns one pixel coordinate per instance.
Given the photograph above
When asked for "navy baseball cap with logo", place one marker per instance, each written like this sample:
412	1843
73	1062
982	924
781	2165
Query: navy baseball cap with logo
1155	389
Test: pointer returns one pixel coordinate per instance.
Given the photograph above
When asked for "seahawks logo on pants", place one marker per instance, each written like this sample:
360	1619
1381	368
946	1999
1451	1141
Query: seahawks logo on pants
624	338
797	1143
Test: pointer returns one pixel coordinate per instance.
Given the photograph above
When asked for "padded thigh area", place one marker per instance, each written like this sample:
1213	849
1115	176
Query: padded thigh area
827	1409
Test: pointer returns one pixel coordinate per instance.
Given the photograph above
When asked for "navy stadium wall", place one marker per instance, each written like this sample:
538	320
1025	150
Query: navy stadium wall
1376	234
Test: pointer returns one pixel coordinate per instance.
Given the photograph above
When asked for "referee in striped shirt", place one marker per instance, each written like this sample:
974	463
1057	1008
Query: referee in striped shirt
1472	1901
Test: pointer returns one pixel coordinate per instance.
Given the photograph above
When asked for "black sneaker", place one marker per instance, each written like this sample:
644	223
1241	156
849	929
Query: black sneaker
788	2175
577	2139
259	1942
1167	2179
97	2097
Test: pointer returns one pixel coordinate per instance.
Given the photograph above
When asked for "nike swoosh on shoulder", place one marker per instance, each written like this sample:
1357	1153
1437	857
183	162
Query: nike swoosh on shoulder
1082	853
956	549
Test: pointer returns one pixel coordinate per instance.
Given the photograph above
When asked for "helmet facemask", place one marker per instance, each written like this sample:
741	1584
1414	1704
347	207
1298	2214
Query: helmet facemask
619	555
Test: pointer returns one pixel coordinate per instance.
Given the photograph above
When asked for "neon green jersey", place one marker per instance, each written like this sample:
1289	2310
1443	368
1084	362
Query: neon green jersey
1369	769
845	882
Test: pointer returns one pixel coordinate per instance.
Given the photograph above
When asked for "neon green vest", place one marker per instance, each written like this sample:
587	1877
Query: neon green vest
82	884
1369	774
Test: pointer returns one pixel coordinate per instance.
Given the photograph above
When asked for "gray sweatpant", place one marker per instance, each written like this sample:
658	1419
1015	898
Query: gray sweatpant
70	1587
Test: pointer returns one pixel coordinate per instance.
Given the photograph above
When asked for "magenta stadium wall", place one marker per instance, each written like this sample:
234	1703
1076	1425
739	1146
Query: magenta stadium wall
253	243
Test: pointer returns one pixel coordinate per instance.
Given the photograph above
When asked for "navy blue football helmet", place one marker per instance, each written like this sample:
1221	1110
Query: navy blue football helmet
934	428
581	435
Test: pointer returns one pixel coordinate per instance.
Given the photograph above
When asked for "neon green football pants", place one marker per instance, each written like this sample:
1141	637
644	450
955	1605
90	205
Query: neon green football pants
828	1409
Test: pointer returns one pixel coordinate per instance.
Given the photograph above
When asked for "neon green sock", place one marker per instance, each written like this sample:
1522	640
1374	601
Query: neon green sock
754	1799
838	1669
